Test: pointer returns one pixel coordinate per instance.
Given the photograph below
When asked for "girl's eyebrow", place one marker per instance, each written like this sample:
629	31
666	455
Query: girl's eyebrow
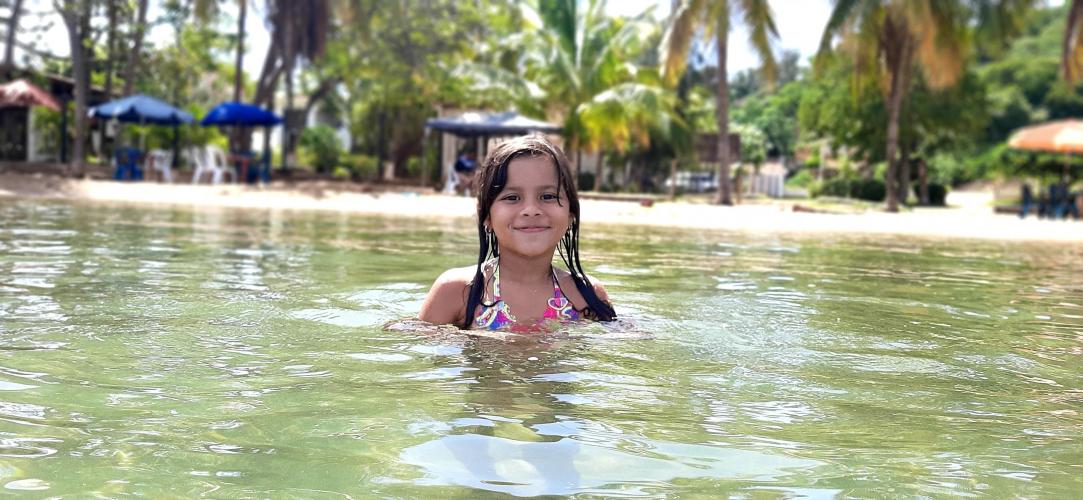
517	188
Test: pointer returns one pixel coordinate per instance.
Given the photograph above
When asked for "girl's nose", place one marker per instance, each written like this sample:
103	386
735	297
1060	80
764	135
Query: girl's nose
530	208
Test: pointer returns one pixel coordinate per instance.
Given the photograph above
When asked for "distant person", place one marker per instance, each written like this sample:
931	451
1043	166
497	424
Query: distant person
1058	199
465	166
527	207
1027	201
1073	202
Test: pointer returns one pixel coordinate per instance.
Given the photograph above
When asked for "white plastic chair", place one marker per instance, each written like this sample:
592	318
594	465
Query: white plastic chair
212	160
162	162
452	179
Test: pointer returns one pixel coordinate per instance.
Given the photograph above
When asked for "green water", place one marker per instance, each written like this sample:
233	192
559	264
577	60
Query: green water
241	353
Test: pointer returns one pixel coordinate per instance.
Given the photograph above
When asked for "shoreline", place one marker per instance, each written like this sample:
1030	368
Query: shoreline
971	219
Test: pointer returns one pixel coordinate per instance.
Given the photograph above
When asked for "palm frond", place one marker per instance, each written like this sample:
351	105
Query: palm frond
762	33
841	14
940	31
677	39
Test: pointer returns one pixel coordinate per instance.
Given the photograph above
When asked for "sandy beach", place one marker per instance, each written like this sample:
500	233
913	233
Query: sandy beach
968	214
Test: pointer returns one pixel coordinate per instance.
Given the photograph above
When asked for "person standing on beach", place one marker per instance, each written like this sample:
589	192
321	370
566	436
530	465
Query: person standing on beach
465	166
527	208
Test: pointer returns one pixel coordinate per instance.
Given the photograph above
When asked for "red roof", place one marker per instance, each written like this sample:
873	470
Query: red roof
21	93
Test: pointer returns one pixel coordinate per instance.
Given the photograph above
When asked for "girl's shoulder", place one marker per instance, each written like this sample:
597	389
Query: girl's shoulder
446	300
456	277
569	290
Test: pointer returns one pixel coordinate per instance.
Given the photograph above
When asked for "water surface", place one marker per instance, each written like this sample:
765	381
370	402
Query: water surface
223	352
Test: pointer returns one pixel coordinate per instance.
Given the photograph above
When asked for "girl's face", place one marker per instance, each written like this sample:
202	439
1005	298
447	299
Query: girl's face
531	214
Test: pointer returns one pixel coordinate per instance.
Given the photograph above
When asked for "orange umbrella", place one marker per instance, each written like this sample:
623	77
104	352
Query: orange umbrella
1061	136
23	93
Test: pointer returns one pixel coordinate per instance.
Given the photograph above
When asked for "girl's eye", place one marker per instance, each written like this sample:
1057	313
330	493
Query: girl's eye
550	197
511	197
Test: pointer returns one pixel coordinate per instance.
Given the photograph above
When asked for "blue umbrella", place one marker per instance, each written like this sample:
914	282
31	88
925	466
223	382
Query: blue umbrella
140	109
239	114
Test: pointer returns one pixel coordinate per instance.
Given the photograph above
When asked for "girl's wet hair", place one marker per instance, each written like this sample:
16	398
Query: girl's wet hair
490	180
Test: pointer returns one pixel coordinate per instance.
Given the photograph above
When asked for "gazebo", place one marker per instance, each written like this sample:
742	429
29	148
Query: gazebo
480	127
485	125
17	138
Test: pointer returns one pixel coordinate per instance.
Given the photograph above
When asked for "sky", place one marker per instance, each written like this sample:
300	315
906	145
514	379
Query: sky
800	24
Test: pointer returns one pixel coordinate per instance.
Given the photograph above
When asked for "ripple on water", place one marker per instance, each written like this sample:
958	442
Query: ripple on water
27	485
568	466
22	447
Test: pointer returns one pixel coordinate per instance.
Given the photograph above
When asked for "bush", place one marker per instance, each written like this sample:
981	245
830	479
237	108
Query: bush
319	148
362	167
862	189
938	194
341	173
586	181
868	189
802	179
413	167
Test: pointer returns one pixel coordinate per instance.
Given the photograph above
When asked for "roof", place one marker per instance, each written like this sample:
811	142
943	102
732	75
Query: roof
477	123
21	93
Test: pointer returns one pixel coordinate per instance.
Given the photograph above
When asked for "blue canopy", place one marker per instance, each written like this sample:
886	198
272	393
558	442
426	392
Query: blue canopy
239	114
140	109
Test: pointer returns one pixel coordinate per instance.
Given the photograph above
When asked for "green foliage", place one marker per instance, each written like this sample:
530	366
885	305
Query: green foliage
802	179
938	194
753	143
341	173
362	167
319	148
862	189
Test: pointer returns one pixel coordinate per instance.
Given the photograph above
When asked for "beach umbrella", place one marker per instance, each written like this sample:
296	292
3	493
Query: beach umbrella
21	93
1061	136
239	114
141	109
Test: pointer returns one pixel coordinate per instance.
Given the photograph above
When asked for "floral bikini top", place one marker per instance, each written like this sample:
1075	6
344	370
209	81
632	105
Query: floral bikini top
497	316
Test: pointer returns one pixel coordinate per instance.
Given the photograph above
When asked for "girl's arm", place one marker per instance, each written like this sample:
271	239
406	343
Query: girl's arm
446	300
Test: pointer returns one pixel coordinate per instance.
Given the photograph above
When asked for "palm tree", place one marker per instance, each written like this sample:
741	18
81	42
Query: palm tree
1071	62
713	18
581	55
890	38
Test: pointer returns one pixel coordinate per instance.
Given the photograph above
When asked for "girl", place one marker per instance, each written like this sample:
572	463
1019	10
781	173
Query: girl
527	207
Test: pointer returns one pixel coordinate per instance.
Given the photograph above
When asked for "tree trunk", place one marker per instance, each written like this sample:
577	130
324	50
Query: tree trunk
725	189
137	49
13	28
235	138
923	182
268	75
111	52
599	172
288	54
72	13
904	174
899	79
673	179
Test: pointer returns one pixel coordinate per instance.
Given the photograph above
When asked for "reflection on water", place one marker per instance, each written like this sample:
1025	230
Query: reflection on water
244	353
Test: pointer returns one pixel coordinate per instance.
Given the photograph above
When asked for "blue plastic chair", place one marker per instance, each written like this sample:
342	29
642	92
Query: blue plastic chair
127	160
259	170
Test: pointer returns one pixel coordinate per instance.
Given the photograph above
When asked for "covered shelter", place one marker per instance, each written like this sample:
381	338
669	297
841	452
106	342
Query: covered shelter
17	137
1060	136
479	127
